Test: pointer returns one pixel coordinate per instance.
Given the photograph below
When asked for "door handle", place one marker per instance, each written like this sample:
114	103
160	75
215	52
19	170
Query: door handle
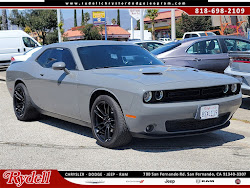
41	74
197	59
18	50
24	50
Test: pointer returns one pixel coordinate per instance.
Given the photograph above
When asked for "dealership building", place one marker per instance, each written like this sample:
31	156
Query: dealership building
114	32
163	23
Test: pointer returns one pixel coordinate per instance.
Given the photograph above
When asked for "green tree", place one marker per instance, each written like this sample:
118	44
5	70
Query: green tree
82	23
17	18
195	23
60	25
101	29
27	30
52	37
4	20
152	14
86	17
113	21
90	32
75	18
118	18
41	21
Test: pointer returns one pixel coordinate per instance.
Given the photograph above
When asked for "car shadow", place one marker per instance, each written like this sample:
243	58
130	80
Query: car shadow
203	141
74	128
245	103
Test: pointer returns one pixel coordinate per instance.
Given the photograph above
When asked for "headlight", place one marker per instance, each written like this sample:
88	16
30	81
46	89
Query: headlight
158	95
226	88
147	96
234	88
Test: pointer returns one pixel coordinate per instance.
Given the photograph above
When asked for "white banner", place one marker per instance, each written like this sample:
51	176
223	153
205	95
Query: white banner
160	181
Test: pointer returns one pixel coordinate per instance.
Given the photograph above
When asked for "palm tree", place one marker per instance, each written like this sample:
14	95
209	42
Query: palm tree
152	14
4	19
83	23
113	21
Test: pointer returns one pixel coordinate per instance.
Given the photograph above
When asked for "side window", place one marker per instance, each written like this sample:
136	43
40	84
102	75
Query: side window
187	36
153	45
51	56
194	35
205	47
28	42
43	59
237	45
68	59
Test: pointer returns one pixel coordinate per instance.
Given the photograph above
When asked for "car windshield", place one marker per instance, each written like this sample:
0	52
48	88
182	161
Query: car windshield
166	48
104	56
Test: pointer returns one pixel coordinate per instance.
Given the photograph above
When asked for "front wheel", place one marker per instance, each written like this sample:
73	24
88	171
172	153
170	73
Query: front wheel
108	123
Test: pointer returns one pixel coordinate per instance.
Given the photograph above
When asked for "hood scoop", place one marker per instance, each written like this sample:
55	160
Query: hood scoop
152	73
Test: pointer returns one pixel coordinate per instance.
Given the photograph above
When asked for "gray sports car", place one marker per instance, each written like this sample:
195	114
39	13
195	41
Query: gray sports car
120	90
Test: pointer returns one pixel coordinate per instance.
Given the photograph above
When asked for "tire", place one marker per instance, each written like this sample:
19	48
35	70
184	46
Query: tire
108	124
22	104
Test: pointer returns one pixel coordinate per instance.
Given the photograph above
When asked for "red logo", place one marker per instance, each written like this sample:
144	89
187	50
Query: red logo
237	181
141	181
14	176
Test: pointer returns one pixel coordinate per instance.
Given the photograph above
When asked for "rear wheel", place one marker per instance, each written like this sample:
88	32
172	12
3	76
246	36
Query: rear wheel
22	104
108	123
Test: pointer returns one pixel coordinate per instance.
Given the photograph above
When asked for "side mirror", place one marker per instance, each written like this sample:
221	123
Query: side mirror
60	66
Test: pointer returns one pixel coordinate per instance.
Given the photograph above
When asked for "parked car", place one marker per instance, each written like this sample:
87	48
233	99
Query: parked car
148	44
205	53
14	42
25	56
197	34
122	92
165	40
239	68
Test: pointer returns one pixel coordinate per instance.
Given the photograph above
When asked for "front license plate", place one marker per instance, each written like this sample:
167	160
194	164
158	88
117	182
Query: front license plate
208	112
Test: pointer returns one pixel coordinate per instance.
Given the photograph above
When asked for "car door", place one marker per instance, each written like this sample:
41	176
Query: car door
207	55
57	90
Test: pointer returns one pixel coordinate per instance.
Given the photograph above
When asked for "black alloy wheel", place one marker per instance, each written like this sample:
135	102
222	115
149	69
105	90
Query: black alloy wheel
104	124
108	123
19	101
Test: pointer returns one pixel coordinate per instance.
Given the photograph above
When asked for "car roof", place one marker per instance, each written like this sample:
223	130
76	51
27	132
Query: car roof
139	41
75	44
211	37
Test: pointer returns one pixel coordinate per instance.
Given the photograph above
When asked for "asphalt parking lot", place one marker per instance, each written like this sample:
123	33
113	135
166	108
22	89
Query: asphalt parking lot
54	144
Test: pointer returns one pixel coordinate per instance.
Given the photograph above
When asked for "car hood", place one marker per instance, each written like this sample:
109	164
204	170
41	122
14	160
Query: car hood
159	74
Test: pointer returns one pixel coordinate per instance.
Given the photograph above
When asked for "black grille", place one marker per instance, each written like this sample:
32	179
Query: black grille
194	94
193	124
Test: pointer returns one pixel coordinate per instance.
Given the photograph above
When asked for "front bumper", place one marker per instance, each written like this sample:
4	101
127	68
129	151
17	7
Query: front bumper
179	118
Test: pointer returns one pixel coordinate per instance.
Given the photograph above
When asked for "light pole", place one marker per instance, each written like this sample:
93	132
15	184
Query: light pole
58	22
173	32
142	24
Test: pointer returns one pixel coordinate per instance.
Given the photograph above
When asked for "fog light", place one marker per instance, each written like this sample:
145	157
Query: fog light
150	128
234	88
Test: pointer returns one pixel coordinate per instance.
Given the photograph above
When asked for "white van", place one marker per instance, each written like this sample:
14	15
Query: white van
14	42
197	34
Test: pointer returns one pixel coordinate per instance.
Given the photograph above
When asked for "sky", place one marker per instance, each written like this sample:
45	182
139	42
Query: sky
68	16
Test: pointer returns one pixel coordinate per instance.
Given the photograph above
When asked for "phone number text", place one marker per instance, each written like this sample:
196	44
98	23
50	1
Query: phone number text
219	10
